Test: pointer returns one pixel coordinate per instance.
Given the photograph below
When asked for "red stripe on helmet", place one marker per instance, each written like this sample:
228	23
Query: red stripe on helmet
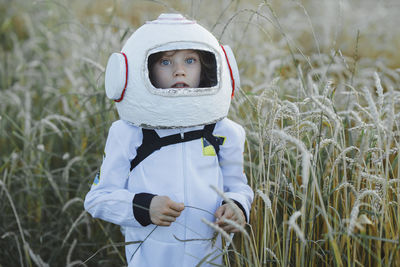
230	71
126	79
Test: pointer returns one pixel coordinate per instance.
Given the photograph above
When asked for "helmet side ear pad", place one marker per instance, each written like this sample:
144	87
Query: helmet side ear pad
116	78
232	66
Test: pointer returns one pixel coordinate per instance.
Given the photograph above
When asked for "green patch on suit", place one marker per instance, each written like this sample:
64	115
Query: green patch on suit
208	149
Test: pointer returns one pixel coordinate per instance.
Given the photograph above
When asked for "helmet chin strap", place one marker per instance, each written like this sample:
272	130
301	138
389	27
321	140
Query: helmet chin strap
126	78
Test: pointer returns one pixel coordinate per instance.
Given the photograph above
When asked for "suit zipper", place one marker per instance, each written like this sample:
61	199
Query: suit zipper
184	183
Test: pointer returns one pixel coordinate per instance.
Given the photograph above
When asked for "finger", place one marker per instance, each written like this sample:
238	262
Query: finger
160	222
164	223
227	217
231	211
230	229
226	226
222	224
168	219
172	213
220	212
176	206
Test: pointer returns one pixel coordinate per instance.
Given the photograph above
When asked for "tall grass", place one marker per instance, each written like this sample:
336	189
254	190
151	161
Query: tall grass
320	102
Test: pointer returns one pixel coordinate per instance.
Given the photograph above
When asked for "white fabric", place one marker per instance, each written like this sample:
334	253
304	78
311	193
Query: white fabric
179	171
115	76
146	106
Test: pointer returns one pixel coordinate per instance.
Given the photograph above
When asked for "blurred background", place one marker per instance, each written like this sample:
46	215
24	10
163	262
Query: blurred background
313	70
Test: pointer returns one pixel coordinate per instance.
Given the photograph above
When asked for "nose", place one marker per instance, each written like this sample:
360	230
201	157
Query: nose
179	70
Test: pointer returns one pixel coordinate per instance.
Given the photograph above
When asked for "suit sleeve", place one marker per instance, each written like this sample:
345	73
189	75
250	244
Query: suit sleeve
108	198
231	162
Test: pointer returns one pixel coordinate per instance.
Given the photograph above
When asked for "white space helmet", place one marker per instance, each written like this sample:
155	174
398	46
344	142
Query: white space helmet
139	102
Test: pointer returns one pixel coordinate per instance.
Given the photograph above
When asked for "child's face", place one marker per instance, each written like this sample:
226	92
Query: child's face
177	69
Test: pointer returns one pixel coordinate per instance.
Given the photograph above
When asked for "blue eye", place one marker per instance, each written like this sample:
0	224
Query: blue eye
190	60
165	62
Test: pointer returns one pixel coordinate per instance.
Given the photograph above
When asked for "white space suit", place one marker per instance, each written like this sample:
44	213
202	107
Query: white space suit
185	171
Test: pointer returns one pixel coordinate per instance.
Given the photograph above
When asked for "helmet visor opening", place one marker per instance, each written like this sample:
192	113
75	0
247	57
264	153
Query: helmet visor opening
205	76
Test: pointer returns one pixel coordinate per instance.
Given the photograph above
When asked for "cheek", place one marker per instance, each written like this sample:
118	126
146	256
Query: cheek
160	75
154	73
198	72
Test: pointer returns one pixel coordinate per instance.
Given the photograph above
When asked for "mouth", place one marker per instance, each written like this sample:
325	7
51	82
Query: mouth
180	85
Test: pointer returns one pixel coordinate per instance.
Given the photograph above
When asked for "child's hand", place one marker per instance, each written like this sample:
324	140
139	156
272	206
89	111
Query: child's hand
226	211
163	211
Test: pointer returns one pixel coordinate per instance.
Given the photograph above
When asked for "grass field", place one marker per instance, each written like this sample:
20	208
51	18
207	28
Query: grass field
319	100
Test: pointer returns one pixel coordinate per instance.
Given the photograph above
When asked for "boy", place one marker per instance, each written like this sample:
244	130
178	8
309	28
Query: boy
172	84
